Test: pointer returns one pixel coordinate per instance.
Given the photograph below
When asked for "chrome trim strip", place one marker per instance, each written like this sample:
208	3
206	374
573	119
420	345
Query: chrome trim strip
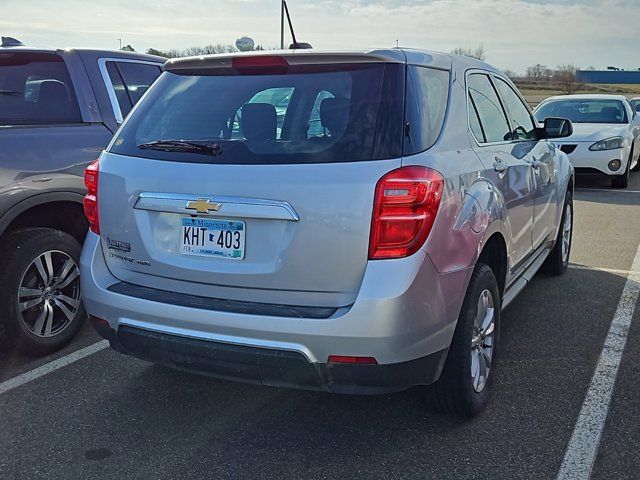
239	207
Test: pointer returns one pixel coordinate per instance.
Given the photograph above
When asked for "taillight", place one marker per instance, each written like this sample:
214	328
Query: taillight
405	207
90	201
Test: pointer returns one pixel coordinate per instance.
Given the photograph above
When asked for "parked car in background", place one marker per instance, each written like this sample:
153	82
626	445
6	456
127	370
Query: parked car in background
606	134
635	104
58	110
368	252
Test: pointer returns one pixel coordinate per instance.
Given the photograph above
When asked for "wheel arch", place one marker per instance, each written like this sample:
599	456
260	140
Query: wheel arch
494	254
59	210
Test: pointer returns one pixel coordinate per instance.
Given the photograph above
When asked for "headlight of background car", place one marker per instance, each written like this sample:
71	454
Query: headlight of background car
607	144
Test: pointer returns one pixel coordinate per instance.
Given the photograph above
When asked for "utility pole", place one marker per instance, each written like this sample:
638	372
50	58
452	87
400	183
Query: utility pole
120	41
281	24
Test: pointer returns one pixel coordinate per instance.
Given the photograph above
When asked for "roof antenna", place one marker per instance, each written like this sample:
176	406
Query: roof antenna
295	45
11	42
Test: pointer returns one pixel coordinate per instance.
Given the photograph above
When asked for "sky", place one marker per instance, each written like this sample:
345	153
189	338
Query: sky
514	33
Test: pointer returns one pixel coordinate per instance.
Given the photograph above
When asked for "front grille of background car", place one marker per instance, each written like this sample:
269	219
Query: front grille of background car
568	148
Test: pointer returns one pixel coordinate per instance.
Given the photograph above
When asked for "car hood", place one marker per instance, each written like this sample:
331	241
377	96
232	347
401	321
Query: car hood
594	132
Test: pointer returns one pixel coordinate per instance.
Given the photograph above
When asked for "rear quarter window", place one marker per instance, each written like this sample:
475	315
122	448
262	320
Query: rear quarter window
35	89
427	94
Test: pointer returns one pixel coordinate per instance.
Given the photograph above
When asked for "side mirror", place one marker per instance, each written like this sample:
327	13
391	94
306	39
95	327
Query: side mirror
557	127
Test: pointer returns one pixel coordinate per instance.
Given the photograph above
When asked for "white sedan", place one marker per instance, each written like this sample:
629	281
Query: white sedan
606	134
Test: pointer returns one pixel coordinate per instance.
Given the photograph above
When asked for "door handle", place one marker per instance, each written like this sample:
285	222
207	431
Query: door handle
500	165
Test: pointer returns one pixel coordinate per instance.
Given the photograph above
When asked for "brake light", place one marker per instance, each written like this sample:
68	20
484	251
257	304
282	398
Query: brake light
90	201
405	206
260	64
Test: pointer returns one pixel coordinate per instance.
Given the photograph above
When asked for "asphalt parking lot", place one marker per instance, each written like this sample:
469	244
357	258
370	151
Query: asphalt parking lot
110	416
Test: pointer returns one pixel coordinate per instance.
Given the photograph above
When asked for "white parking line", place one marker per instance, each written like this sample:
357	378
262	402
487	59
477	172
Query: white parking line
615	271
606	190
52	366
583	446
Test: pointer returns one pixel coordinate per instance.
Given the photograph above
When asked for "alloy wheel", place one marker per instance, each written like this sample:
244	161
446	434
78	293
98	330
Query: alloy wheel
566	233
49	294
483	340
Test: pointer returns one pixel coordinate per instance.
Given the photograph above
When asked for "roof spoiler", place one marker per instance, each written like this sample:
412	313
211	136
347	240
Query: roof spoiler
289	58
11	42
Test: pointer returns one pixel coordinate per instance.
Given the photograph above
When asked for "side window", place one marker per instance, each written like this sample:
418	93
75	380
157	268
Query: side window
35	89
490	112
130	81
273	99
521	122
426	105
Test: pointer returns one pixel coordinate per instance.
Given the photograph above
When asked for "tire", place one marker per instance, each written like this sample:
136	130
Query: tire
621	181
456	391
28	303
558	260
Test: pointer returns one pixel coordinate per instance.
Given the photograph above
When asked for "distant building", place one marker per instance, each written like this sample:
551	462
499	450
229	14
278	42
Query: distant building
609	76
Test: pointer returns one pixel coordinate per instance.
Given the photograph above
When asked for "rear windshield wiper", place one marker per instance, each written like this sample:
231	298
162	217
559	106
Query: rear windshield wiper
206	147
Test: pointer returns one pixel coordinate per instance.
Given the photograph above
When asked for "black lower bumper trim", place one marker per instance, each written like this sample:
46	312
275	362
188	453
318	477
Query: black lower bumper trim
273	367
219	304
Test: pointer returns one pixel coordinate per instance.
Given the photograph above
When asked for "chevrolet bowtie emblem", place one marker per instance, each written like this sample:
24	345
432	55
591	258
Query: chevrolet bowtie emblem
203	205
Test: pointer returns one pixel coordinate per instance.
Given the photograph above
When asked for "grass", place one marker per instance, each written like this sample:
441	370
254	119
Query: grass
535	93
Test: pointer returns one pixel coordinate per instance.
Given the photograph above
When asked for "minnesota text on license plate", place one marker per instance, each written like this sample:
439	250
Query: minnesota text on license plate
212	238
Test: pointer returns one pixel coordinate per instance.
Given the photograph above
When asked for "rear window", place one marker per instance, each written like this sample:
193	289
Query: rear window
347	113
584	111
35	89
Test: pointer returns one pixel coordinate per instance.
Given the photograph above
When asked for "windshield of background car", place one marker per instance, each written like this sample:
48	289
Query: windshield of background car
35	89
584	111
339	113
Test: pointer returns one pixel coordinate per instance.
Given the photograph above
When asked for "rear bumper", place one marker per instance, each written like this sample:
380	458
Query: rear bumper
404	316
265	366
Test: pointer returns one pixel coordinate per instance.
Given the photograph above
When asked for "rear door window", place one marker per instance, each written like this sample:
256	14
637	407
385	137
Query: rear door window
332	113
490	113
130	80
521	121
35	89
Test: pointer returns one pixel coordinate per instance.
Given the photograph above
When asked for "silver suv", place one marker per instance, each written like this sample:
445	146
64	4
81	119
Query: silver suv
346	222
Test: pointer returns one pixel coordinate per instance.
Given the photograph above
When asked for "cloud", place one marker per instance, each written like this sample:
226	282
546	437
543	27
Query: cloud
515	33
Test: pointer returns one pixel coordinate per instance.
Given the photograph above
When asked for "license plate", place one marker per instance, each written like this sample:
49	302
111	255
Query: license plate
212	238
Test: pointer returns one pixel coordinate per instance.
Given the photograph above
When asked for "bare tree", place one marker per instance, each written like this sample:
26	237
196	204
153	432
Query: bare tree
567	79
478	53
510	73
128	48
193	51
536	72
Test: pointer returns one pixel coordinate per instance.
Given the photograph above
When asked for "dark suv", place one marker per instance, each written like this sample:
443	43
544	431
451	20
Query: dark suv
58	110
